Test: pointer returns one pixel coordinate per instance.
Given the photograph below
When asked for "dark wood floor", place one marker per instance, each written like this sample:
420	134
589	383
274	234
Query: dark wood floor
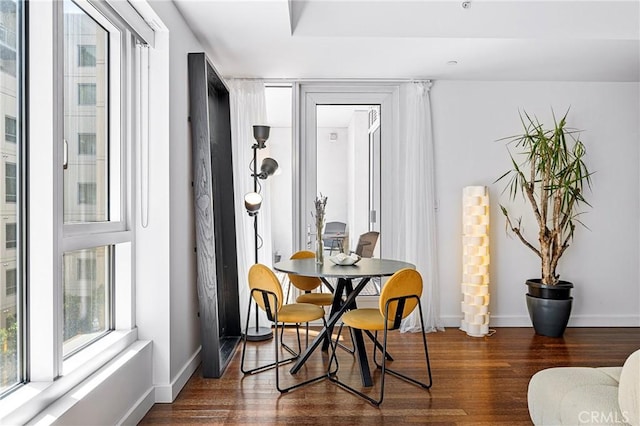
480	381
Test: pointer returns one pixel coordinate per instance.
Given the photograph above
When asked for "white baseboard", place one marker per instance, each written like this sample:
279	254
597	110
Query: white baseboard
574	321
524	321
604	321
106	393
139	409
168	393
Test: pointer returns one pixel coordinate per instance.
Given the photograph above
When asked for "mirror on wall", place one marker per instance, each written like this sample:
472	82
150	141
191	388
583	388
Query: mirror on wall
347	162
348	167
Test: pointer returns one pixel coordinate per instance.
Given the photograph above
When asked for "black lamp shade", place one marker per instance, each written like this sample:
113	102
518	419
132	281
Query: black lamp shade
261	134
268	167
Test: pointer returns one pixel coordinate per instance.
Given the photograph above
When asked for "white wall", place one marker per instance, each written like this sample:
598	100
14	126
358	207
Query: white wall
332	172
281	192
468	118
358	176
167	303
185	335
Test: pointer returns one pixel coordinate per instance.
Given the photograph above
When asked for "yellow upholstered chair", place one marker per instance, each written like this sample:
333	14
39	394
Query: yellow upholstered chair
399	297
308	284
267	293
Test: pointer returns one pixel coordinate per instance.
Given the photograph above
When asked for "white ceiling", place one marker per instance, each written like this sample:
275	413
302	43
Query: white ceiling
394	39
280	113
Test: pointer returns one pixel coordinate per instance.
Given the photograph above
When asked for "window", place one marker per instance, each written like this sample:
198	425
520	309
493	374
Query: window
92	181
86	94
86	268
10	282
86	55
91	185
10	129
12	363
87	193
86	143
82	249
10	235
10	185
86	296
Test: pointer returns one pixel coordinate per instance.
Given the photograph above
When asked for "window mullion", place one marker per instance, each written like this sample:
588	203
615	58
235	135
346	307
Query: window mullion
44	189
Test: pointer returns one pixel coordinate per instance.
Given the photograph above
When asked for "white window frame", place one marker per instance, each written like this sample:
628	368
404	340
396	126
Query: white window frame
55	238
309	96
49	376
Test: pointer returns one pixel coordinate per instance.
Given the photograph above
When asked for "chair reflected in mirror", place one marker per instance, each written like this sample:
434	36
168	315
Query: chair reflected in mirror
367	244
333	236
365	248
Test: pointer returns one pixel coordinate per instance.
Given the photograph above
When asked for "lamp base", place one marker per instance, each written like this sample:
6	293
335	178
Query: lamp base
258	334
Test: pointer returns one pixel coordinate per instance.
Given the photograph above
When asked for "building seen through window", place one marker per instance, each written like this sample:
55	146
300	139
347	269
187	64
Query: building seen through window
10	129
86	272
10	288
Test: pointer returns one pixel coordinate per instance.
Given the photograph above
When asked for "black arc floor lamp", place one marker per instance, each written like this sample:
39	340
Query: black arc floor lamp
252	202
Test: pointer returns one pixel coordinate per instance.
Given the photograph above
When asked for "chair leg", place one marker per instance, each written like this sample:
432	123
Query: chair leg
334	346
287	347
261	368
297	385
374	339
351	350
386	370
405	377
334	378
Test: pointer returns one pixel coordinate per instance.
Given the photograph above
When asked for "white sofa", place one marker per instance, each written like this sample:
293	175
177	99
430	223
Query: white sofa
587	396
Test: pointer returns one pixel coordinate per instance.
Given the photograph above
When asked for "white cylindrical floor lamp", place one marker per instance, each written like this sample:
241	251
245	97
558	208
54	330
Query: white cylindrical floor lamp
475	261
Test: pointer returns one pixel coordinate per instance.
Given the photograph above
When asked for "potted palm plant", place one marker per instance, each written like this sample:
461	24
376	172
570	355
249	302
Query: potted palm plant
552	178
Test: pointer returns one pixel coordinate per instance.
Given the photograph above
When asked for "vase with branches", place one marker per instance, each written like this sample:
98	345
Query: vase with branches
320	205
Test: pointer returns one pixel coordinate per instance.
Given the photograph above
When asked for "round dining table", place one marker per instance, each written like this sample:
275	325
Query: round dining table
363	271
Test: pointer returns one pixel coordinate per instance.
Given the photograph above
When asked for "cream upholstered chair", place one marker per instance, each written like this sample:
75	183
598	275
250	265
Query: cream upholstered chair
267	293
399	297
586	396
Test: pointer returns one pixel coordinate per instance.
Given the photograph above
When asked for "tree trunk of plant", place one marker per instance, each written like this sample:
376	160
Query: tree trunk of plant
545	256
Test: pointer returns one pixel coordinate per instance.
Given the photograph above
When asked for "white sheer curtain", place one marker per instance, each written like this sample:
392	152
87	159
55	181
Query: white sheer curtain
414	201
248	108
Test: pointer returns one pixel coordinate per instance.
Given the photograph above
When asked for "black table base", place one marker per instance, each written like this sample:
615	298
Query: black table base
339	307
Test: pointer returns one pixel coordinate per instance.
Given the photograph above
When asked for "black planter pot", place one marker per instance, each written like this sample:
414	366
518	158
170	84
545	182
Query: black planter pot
549	306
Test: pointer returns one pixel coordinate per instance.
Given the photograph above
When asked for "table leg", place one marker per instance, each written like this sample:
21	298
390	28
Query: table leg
358	341
343	284
361	352
337	309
